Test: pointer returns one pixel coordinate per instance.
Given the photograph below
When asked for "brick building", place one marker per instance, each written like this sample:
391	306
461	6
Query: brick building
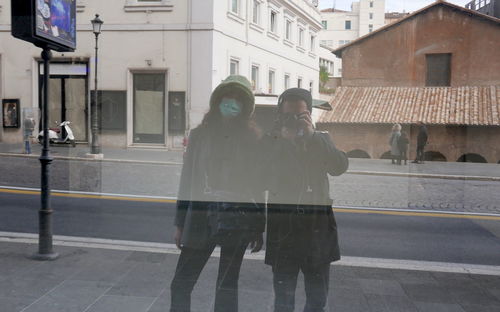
439	65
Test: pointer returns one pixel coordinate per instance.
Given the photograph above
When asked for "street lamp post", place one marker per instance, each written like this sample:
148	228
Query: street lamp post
45	250
96	147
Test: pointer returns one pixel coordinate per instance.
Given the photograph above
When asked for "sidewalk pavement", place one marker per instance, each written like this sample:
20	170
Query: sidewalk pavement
87	279
449	170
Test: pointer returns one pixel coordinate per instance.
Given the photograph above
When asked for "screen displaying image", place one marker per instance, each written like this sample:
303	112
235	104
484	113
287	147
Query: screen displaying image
55	20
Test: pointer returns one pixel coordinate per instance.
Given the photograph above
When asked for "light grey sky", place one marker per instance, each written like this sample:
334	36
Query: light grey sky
390	5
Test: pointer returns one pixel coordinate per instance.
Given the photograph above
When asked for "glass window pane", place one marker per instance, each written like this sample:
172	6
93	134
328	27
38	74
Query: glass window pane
149	108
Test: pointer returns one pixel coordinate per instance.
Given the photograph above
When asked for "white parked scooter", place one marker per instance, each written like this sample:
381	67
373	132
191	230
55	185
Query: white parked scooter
55	135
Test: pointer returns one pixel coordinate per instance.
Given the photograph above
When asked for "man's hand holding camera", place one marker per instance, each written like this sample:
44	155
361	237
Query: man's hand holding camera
297	125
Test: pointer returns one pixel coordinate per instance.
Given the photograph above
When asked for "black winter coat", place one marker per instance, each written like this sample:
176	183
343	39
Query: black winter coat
223	162
300	220
422	136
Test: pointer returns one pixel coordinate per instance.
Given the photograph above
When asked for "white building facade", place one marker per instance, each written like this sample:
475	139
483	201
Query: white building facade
341	27
159	62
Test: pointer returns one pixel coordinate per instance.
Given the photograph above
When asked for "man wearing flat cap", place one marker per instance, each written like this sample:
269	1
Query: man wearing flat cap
301	227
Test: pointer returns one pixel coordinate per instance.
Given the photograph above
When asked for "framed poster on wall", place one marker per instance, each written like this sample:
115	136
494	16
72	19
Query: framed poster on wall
10	113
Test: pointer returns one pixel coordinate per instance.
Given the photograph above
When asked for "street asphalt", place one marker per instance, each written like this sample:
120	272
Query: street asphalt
454	238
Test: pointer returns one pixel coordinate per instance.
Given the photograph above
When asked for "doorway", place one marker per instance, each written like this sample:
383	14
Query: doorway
68	100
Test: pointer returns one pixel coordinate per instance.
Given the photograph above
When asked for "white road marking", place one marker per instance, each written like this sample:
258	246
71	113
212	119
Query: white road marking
111	244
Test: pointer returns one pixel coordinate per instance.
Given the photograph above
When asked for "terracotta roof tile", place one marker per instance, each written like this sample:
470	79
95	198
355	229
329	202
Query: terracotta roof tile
478	105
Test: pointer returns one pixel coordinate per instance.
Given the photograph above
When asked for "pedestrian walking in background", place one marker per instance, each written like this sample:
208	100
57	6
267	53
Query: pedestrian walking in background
216	187
28	127
393	142
422	139
301	228
403	148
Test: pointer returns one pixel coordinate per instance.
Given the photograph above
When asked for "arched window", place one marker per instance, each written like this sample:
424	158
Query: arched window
434	156
357	153
473	158
386	155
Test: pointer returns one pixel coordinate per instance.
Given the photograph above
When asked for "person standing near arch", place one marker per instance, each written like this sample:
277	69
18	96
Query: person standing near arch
422	139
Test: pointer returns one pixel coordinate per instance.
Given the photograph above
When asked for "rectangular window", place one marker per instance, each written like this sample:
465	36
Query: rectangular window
325	24
235	7
256	12
255	77
438	69
371	15
313	43
301	37
271	81
370	28
288	30
287	82
234	67
149	108
371	4
273	22
347	25
311	85
299	83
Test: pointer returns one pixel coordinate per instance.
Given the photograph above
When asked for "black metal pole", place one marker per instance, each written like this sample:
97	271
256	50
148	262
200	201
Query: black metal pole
96	147
45	251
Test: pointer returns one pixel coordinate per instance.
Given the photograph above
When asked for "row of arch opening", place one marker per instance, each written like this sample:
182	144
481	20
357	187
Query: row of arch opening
429	156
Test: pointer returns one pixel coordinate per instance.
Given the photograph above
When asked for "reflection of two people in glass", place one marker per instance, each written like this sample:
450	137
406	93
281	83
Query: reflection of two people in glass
228	166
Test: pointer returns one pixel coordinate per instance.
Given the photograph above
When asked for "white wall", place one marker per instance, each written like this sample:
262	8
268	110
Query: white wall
193	40
238	37
128	40
360	21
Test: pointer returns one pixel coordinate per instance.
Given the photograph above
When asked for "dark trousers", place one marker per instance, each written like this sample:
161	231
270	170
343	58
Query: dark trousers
316	281
189	267
420	153
403	155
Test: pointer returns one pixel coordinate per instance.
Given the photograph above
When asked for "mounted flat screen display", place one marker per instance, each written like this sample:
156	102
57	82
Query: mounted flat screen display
46	23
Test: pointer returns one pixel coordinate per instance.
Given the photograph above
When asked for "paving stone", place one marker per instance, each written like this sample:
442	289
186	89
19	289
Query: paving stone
373	273
138	256
138	288
480	308
473	296
382	303
104	270
438	307
381	287
347	299
15	303
70	296
428	293
121	304
414	277
13	286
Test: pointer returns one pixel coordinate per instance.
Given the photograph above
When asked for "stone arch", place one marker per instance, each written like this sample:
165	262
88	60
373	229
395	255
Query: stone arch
386	155
472	157
358	153
434	156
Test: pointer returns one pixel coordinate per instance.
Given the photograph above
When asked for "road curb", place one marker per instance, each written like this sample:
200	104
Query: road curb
351	172
104	160
424	175
163	248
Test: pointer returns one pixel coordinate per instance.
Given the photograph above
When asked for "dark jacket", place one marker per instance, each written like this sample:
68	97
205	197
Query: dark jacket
300	223
422	136
403	143
218	159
